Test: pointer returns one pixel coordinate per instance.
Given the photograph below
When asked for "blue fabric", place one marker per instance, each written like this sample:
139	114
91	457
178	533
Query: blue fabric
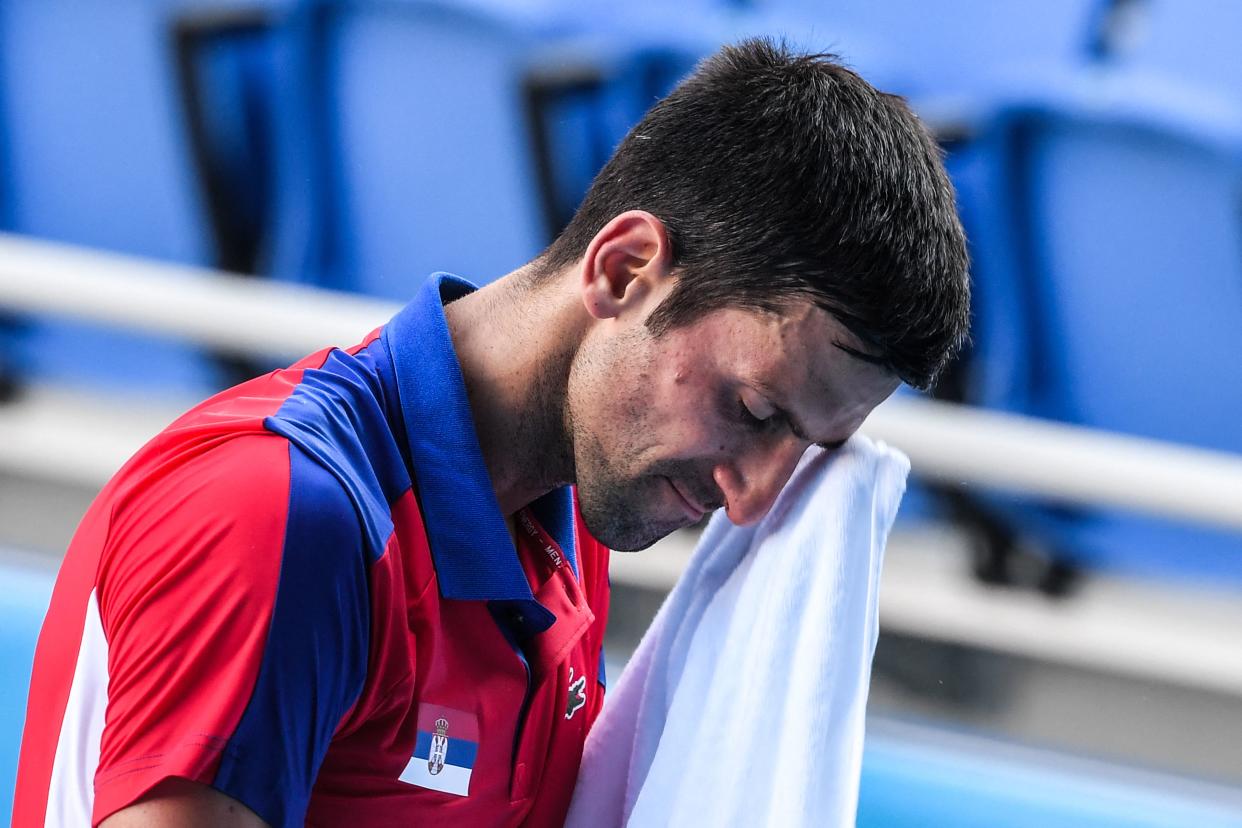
364	428
470	544
396	414
460	752
342	414
315	659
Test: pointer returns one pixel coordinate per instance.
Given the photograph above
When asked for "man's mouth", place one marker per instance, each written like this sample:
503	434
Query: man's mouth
692	509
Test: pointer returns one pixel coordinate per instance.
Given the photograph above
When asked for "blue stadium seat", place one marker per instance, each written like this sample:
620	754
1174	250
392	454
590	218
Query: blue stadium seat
27	589
95	153
1194	41
951	47
1115	239
408	138
402	147
227	82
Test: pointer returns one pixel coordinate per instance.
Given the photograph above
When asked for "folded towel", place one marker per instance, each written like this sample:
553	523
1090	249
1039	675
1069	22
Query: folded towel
744	703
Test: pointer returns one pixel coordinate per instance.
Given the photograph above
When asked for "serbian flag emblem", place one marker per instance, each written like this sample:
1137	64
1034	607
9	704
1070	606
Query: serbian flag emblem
448	741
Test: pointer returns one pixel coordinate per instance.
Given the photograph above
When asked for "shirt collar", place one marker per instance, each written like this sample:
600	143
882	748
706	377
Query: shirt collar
473	553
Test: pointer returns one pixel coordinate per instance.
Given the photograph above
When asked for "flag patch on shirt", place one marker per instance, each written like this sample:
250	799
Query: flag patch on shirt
444	754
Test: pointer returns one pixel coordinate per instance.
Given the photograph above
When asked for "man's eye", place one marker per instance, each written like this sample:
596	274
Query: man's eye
748	417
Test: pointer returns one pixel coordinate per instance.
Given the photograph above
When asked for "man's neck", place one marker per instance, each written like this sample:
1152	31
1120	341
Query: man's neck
515	344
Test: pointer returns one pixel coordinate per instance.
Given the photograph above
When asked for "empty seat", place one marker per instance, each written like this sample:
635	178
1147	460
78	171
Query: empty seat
420	136
1117	250
94	152
402	147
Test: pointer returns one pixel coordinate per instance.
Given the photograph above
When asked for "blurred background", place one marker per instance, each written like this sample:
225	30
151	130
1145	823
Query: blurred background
196	191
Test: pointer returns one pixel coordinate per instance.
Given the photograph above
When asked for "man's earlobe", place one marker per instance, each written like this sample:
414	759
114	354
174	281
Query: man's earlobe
626	262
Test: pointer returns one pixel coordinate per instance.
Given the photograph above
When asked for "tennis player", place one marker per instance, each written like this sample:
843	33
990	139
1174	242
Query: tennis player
371	589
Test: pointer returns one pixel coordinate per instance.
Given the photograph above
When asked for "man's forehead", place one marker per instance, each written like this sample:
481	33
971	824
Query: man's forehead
830	381
803	341
819	330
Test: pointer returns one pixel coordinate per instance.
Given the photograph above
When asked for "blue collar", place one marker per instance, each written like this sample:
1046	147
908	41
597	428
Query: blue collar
470	544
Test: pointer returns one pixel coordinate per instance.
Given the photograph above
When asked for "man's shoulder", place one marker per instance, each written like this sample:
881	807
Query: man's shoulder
323	420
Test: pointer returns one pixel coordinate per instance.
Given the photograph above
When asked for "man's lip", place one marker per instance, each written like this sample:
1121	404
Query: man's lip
692	510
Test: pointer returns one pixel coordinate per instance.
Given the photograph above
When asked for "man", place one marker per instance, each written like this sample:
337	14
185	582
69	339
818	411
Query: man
360	591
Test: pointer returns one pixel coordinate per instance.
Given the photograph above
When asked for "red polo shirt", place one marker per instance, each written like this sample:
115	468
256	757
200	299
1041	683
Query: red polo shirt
303	594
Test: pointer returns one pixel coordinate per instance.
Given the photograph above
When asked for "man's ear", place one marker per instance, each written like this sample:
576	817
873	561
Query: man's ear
627	264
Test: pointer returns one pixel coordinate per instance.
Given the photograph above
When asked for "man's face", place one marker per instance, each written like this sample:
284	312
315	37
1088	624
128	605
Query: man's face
713	413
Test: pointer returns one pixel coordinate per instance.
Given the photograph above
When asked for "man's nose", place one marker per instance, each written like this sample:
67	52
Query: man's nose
750	482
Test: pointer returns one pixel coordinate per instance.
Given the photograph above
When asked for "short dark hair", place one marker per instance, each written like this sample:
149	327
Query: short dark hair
782	176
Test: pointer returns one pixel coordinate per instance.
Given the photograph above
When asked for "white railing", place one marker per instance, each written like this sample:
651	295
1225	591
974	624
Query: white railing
242	315
959	444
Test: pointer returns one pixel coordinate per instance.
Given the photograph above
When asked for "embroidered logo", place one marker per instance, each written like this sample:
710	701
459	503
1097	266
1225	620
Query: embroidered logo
577	695
439	747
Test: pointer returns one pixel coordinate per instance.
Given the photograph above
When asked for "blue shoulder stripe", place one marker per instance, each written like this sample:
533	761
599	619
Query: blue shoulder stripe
315	661
341	414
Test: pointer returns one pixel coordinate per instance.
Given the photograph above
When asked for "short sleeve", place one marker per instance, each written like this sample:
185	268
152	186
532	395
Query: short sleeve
233	598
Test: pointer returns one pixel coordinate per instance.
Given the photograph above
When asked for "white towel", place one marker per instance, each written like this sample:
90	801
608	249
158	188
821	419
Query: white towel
744	703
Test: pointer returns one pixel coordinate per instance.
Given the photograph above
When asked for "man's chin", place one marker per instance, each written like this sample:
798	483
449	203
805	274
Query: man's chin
632	546
627	515
626	535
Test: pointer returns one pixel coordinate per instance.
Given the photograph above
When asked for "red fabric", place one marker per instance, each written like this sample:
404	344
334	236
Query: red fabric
453	654
185	607
186	611
140	513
